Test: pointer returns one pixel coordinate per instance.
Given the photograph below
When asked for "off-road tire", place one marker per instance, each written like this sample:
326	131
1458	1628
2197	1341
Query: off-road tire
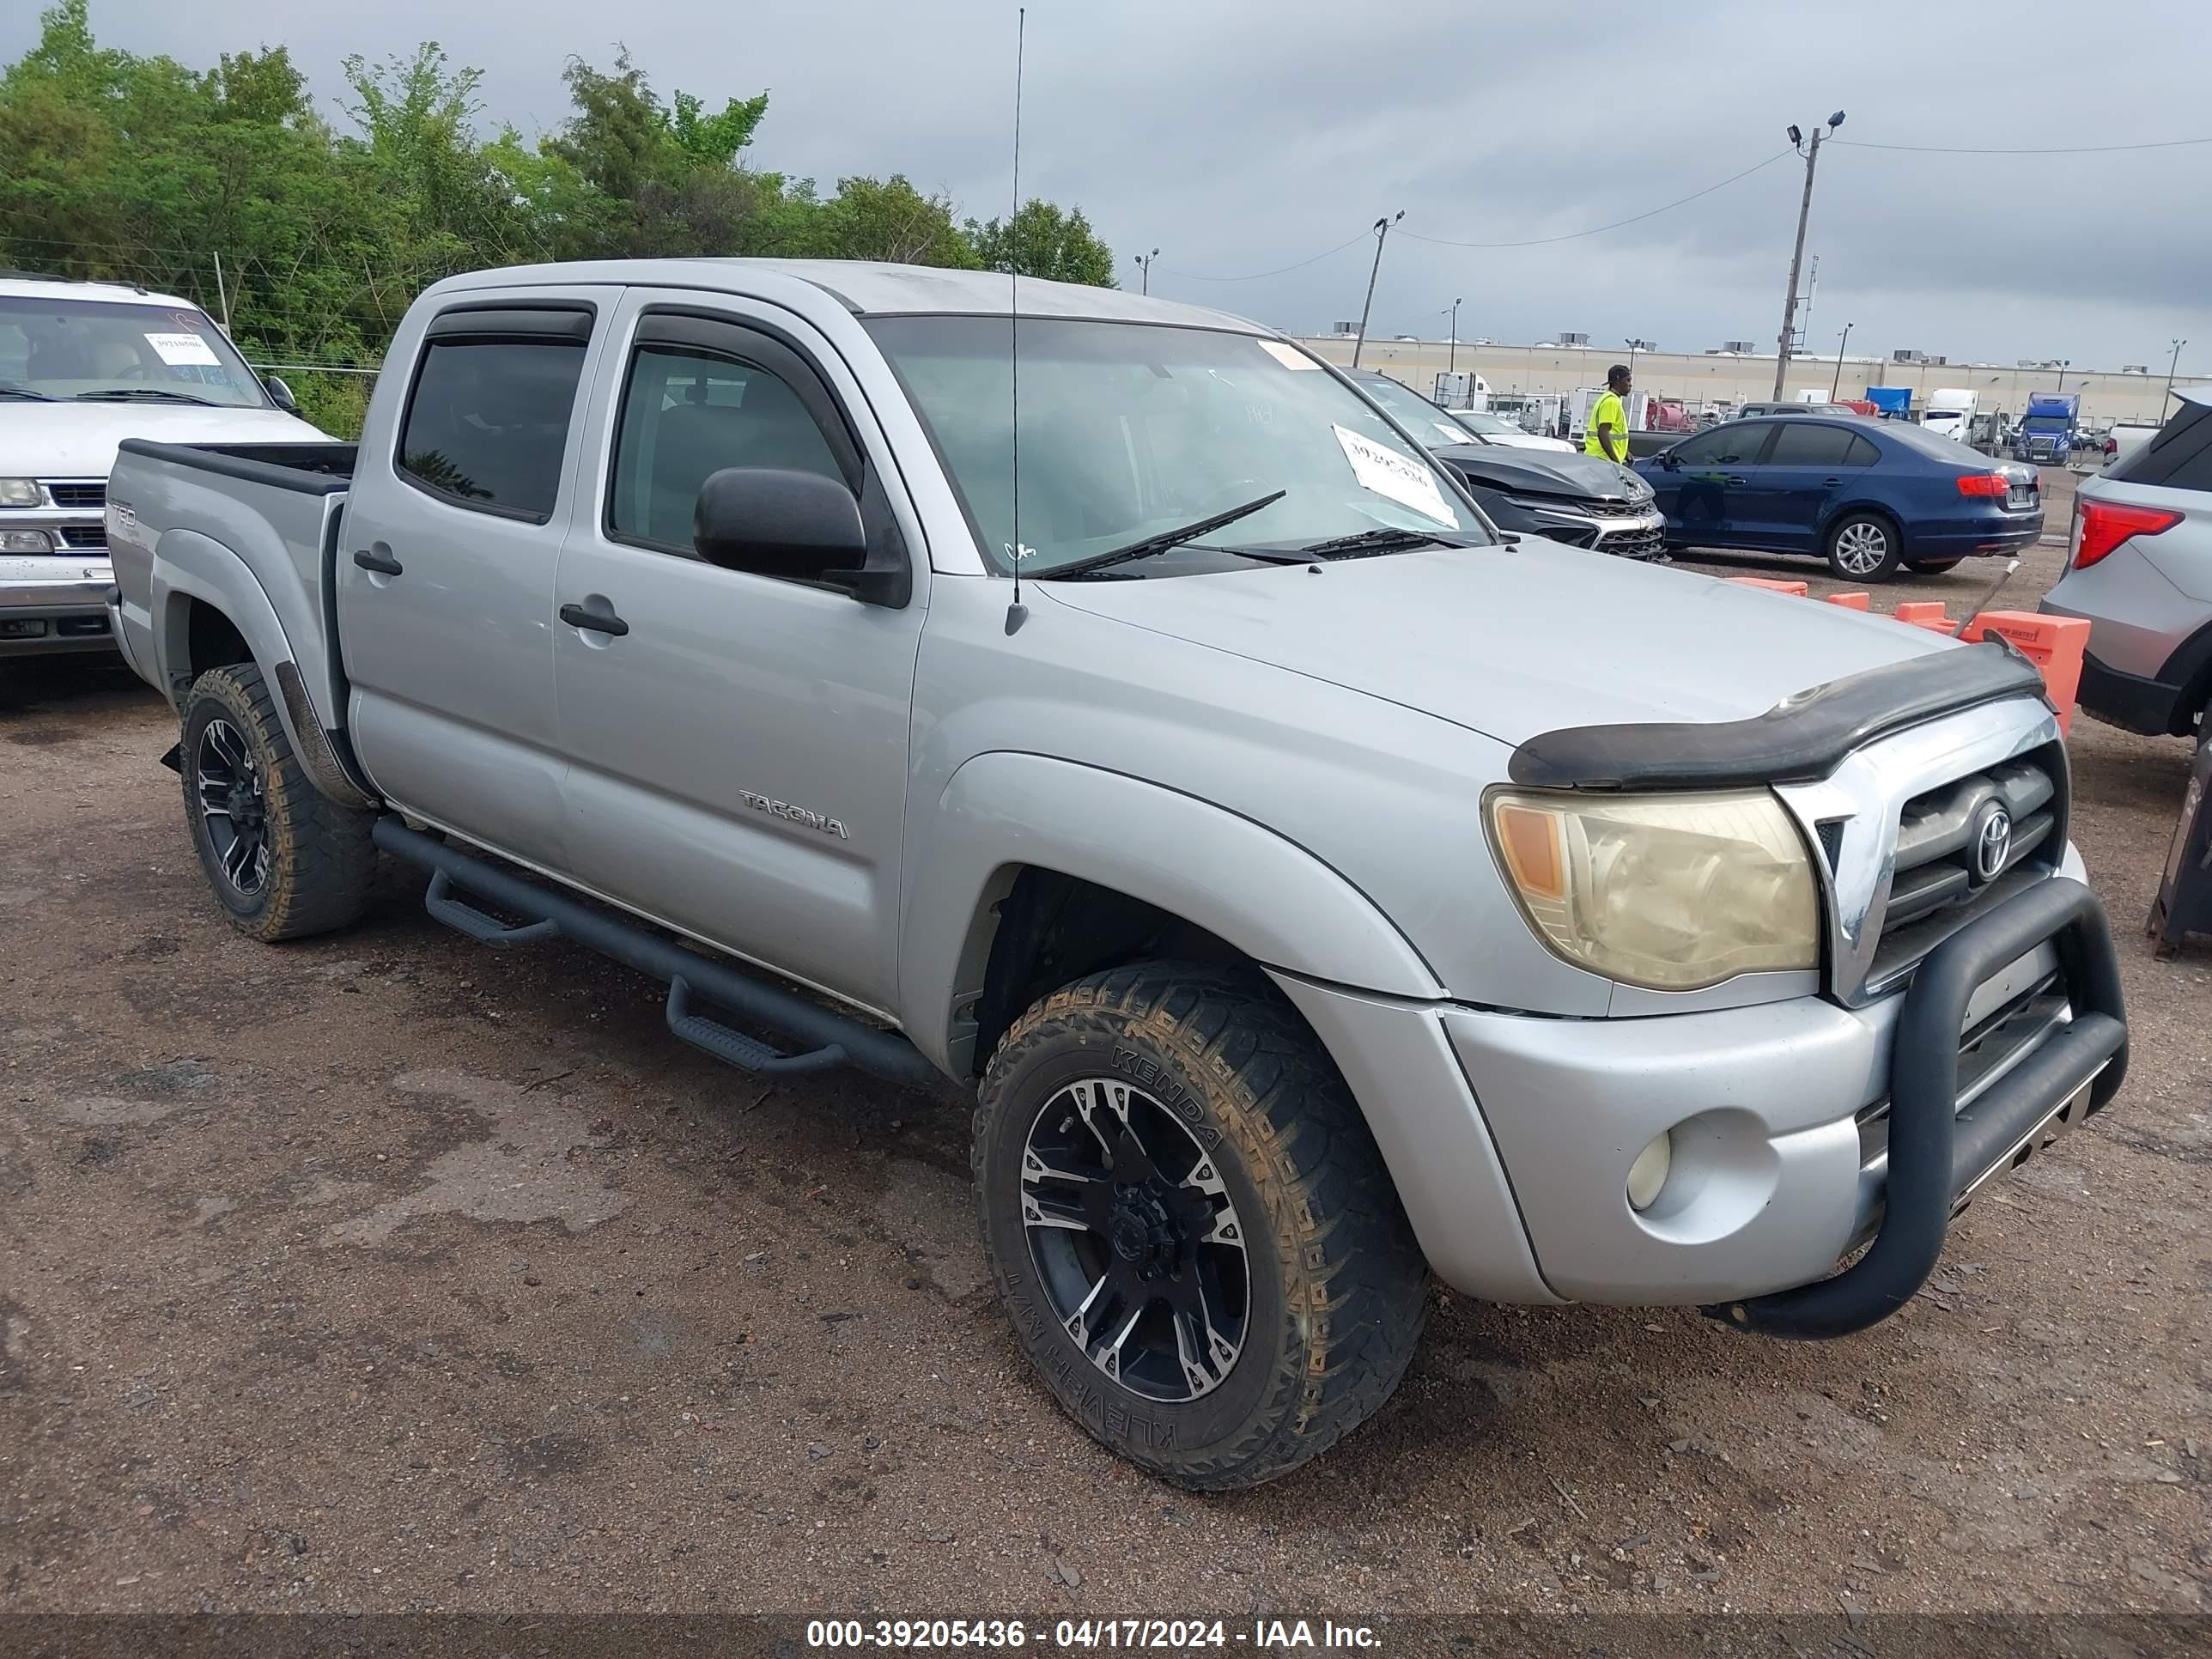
1932	566
320	857
1856	523
1337	1284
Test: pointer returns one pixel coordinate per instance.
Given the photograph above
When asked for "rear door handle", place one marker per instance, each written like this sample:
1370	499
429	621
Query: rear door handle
383	563
1831	483
597	621
1735	478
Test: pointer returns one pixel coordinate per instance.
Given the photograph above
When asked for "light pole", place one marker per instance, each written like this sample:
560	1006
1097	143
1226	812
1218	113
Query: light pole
1145	265
1635	346
1797	254
2064	363
1835	385
1381	235
2170	370
1451	366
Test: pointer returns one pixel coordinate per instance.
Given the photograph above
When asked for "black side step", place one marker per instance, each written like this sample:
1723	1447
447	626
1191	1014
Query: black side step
484	930
735	1048
831	1038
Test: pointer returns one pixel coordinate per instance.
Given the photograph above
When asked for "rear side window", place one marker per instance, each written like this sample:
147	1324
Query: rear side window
487	421
2179	457
1863	454
1808	443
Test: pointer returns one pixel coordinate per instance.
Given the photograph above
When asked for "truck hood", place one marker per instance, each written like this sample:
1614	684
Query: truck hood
1511	642
78	440
1546	472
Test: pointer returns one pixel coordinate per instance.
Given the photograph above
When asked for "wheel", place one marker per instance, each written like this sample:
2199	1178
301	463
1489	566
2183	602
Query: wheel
1190	1224
284	859
1932	566
1865	547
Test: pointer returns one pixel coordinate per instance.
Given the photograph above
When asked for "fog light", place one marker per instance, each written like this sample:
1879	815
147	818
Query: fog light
25	541
1648	1173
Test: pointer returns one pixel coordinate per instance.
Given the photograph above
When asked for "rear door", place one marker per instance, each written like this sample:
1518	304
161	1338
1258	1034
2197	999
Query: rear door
1701	493
1806	469
739	752
450	539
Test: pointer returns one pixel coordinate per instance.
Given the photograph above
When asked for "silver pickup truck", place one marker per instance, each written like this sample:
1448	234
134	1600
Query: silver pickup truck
1314	887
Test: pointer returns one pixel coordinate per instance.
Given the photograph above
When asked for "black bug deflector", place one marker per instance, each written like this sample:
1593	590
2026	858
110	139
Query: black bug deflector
1796	741
1938	1154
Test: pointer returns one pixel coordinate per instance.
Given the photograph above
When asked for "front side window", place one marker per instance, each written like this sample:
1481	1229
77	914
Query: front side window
687	414
86	351
1133	429
488	422
1724	445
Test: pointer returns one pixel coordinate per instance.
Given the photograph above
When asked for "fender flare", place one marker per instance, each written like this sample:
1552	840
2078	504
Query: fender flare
190	565
1002	811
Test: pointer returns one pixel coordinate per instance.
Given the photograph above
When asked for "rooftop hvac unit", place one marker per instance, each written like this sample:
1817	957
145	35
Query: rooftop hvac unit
1741	348
1574	339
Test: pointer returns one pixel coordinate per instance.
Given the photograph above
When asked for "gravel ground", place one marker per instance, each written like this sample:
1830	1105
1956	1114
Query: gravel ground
381	1273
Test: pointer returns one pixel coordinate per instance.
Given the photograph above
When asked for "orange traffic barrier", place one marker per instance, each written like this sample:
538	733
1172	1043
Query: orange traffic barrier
1928	614
2053	644
1800	589
1849	601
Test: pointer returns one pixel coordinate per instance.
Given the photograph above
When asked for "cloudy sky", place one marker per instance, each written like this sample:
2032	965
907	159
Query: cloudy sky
1241	136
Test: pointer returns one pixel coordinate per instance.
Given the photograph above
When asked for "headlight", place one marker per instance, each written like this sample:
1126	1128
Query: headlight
25	541
20	492
1669	892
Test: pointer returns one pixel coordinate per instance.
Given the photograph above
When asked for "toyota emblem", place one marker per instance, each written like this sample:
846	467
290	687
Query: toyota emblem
1992	843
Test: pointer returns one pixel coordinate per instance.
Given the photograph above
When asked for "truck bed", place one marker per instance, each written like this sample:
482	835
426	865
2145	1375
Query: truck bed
314	469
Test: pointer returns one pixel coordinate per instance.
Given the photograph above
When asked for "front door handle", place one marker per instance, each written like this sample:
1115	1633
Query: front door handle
597	621
1735	478
1831	483
383	563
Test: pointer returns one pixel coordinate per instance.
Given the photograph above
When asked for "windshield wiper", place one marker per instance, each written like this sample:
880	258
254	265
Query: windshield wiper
10	389
1159	543
125	394
1378	541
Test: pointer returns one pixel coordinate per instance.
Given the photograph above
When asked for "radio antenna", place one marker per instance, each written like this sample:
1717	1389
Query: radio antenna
1017	613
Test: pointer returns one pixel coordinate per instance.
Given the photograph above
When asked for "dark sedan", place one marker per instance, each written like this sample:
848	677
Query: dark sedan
1867	496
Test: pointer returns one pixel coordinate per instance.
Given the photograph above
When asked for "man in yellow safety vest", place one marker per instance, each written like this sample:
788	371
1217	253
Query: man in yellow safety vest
1608	418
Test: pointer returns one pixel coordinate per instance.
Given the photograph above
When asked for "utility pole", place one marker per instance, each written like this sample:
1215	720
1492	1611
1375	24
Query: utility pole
1145	265
1834	385
1381	235
1797	254
2170	370
1453	364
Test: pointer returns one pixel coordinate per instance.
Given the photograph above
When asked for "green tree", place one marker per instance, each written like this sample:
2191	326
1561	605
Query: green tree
1044	241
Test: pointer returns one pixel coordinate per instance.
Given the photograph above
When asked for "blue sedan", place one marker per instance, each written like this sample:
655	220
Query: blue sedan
1867	496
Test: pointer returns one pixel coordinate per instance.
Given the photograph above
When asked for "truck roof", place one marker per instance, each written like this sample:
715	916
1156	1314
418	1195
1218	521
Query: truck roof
28	285
868	289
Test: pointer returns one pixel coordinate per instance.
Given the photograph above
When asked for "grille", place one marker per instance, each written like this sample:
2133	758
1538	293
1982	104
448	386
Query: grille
78	494
83	535
1635	544
1936	884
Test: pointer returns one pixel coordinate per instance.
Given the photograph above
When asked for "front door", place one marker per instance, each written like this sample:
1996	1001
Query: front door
738	742
1702	492
449	542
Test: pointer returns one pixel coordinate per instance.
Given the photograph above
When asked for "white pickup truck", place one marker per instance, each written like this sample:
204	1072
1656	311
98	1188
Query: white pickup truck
1312	886
82	367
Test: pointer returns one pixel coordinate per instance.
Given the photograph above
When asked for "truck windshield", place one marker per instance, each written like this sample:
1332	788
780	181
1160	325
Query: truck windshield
97	350
1131	430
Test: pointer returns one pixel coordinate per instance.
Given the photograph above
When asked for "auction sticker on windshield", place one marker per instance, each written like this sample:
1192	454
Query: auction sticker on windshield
1384	470
183	351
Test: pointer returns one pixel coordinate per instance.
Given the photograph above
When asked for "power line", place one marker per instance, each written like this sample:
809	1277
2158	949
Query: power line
2066	149
1599	230
1192	276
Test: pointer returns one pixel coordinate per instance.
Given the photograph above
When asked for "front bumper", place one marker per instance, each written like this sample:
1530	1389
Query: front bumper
1512	1146
54	602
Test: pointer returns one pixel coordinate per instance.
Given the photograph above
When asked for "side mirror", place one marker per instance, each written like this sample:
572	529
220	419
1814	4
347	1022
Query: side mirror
778	522
281	395
1669	459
